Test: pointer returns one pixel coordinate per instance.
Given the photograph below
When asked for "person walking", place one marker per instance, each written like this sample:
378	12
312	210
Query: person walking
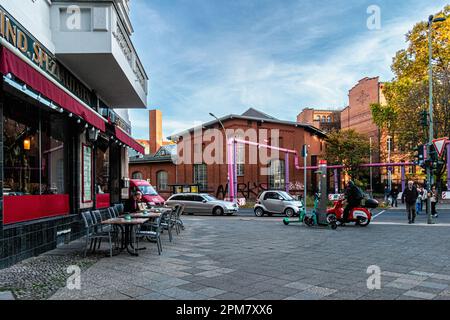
409	197
386	194
394	195
419	201
434	201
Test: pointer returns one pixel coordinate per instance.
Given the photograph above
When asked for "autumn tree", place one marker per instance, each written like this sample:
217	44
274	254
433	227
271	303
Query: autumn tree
349	148
407	93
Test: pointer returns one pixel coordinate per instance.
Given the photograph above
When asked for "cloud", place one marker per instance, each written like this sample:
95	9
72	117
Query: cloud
278	57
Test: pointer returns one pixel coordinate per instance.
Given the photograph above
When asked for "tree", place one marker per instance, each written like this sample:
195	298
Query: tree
349	148
407	93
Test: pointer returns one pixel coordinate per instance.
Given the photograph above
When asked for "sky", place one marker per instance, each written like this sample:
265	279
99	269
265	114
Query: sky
278	56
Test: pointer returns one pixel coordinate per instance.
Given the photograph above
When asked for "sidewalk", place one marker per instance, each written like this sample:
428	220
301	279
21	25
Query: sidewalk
402	206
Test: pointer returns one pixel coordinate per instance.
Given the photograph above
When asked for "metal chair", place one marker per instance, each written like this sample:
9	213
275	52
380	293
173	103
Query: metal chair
120	208
92	235
153	234
167	221
176	218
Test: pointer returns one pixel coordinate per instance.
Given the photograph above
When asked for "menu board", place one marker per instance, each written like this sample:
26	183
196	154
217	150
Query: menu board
87	174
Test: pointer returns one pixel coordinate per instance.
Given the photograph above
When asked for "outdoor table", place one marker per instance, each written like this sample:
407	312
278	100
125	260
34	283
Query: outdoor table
127	227
143	215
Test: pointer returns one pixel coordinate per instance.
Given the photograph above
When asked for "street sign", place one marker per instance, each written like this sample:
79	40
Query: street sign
439	145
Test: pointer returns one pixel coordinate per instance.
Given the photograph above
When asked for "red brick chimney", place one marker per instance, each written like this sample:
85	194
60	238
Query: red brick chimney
156	134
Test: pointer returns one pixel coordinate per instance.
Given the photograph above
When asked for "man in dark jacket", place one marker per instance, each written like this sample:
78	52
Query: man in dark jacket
409	197
353	195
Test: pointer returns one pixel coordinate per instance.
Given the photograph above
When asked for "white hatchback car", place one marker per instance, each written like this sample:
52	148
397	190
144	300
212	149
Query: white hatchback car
277	202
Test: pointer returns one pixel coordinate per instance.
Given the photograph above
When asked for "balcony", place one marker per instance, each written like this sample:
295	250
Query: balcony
93	40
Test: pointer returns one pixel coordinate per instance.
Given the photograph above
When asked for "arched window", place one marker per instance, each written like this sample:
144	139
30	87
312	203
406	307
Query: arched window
324	119
277	175
137	176
162	180
329	119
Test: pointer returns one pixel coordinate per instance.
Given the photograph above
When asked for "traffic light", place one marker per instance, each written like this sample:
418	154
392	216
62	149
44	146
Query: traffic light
419	155
424	118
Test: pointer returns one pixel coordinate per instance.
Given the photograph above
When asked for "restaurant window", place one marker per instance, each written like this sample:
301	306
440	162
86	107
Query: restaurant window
277	175
162	178
201	176
34	150
102	166
137	176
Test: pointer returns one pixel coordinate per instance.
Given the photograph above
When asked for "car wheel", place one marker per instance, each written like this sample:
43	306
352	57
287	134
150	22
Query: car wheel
289	212
218	211
259	212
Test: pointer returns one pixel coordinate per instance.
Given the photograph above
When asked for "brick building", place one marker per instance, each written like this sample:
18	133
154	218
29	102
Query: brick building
325	120
358	116
253	177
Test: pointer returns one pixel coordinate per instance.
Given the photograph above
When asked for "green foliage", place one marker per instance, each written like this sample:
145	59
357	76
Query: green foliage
407	94
349	148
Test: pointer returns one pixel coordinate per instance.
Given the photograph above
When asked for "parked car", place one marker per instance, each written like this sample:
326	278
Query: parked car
203	203
149	194
277	202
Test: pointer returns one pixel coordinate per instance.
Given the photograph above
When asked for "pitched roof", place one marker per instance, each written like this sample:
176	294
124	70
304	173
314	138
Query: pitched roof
252	112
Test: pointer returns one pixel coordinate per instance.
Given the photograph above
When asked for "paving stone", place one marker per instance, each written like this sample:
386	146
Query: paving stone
419	295
433	285
299	285
7	295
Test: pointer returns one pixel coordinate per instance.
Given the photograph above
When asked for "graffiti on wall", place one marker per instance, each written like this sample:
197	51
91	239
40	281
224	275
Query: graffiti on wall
251	190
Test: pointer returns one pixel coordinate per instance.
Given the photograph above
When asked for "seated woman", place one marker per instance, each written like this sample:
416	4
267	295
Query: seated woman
135	202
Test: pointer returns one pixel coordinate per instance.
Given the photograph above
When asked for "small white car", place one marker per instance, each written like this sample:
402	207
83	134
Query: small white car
277	202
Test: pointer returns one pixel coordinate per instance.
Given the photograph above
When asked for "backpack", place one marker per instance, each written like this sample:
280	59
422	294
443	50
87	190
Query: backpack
359	194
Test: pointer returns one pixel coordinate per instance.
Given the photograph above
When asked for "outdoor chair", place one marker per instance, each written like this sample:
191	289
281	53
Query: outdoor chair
92	236
167	222
120	208
176	218
113	212
151	233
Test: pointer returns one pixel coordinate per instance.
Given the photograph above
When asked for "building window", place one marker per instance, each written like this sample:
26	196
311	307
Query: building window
277	175
324	119
34	151
137	176
201	176
162	179
240	158
329	119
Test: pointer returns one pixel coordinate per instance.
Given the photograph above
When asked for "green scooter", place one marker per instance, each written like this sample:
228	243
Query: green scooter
303	217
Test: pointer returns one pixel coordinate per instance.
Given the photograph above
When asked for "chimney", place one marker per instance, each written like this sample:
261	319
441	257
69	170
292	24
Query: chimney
156	134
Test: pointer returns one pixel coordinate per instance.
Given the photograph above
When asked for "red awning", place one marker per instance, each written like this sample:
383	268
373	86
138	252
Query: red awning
10	63
129	141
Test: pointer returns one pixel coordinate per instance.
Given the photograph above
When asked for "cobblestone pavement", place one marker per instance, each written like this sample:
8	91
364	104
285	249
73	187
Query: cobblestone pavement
39	278
246	258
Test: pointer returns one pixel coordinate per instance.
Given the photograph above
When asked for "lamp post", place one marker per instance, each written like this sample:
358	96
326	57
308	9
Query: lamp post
431	20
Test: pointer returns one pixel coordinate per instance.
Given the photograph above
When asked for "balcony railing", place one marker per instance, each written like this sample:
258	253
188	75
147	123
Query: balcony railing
114	118
130	53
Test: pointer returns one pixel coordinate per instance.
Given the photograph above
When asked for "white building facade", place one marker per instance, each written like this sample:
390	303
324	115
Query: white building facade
69	73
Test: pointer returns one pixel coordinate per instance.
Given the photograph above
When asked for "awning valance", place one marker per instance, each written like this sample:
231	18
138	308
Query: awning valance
10	63
128	140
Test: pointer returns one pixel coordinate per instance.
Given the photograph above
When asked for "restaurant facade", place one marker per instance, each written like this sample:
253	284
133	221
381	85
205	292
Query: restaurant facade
64	120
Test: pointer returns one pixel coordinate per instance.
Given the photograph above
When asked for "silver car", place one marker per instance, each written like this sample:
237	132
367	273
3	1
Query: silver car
203	204
277	202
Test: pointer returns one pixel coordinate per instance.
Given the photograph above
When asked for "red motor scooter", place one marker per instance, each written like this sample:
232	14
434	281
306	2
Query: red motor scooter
362	216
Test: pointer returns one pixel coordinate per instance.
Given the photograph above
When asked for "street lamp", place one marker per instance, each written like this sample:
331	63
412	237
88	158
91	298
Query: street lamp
431	20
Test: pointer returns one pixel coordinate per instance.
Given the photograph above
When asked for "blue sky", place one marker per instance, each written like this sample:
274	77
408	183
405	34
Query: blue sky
279	56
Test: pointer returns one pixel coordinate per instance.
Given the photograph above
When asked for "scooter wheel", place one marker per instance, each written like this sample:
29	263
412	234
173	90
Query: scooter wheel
334	226
286	222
